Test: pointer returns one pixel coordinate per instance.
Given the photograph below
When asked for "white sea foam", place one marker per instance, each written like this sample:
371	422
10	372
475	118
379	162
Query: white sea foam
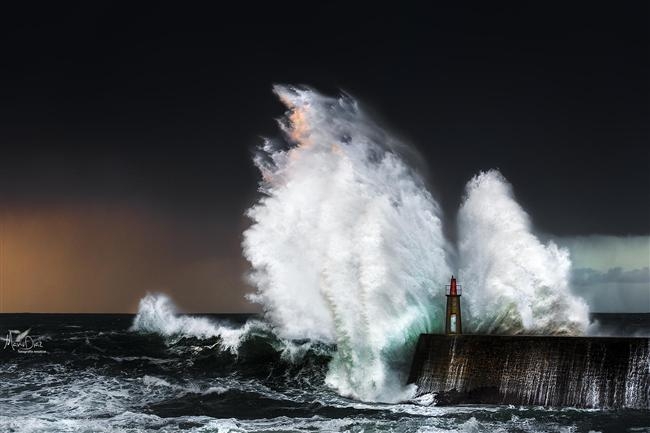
185	388
514	282
346	243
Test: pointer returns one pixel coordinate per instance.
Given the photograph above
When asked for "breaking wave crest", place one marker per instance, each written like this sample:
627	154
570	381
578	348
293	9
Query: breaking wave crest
515	283
346	243
158	315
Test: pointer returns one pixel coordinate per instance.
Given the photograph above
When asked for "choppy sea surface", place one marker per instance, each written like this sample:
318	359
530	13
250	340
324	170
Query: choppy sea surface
92	373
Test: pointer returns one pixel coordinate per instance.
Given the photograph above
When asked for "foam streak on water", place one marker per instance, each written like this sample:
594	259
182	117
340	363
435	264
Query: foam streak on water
346	244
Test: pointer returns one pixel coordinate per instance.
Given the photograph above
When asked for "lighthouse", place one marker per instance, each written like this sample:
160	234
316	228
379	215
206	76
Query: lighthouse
453	323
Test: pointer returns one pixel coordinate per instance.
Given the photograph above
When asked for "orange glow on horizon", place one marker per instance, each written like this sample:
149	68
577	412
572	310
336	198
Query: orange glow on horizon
104	259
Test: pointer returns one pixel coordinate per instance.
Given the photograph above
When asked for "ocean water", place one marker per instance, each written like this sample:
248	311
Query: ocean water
100	373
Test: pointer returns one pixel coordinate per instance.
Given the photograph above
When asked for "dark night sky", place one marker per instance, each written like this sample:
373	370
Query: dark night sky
159	107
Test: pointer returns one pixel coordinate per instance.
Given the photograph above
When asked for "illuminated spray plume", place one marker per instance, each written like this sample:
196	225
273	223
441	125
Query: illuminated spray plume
346	246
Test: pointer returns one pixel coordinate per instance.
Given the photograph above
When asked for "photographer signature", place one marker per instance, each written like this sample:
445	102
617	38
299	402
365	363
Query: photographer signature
22	341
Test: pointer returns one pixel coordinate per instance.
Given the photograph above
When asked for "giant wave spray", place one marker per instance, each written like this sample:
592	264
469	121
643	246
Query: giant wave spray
346	247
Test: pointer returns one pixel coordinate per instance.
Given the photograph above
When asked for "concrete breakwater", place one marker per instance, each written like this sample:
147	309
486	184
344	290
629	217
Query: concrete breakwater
589	372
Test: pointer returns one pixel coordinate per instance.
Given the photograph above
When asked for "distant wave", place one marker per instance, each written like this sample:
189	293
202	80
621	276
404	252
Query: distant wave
157	314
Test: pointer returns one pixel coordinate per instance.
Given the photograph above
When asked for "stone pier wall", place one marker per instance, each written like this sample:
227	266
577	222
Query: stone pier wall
587	372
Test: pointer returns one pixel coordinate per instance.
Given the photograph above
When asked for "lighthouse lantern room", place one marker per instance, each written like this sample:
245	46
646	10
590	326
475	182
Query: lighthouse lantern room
453	322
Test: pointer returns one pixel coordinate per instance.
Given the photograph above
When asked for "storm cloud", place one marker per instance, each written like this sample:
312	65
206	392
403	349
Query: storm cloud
612	273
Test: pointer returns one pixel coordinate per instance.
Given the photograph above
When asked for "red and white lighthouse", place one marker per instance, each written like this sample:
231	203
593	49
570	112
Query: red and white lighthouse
453	322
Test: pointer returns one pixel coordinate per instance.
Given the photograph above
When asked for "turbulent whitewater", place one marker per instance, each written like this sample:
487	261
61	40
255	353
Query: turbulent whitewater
346	243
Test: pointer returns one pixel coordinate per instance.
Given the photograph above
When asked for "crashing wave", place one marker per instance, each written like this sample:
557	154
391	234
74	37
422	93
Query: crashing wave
515	283
346	244
347	249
